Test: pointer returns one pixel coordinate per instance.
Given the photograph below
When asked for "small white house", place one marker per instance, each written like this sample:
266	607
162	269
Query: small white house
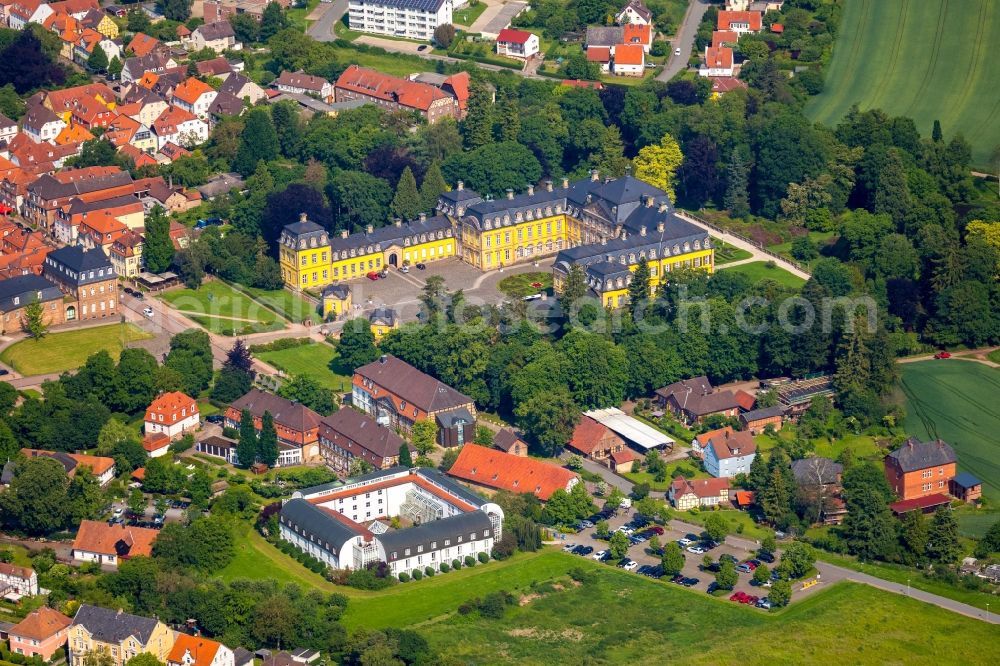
517	44
19	580
172	414
634	13
726	452
718	61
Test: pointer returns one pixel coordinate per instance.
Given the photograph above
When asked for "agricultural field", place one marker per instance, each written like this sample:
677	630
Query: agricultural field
57	352
313	360
647	622
223	310
926	59
764	270
958	401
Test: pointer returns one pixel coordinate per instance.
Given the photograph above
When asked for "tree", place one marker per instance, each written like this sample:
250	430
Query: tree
136	503
360	199
190	355
404	455
444	35
716	528
737	199
34	320
573	290
619	545
761	574
942	537
914	534
158	247
423	434
406	204
11	104
246	447
134	385
673	559
357	344
98	60
781	593
175	10
494	167
797	559
869	528
698	176
549	420
477	127
204	545
638	288
657	164
936	134
288	127
115	68
36	501
25	65
144	659
308	391
245	28
260	142
726	577
432	187
602	529
267	441
272	21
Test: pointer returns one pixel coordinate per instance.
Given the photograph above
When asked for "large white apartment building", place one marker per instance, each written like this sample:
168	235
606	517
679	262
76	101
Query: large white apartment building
415	19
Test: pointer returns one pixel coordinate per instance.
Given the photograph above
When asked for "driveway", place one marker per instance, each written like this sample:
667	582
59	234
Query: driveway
684	39
496	17
322	29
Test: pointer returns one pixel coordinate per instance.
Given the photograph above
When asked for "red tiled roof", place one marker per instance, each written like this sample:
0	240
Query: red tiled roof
15	571
587	435
777	28
382	86
170	406
921	503
511	36
744	497
139	474
724	84
459	84
700	487
201	650
720	37
142	44
599	54
155	441
190	90
629	54
726	19
719	57
624	456
503	471
41	624
95	536
637	33
745	400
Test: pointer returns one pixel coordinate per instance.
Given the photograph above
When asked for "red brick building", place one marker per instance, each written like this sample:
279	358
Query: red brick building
920	469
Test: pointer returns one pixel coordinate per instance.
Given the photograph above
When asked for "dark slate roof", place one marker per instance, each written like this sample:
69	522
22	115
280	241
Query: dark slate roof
47	187
966	480
438	478
604	36
763	413
26	288
506	439
361	429
37	115
74	264
219	442
292	415
397	541
460	415
59	456
916	455
383	316
413	386
226	104
338	291
676	232
304	234
111	626
234	83
314	521
242	656
816	470
216	30
6	122
698	384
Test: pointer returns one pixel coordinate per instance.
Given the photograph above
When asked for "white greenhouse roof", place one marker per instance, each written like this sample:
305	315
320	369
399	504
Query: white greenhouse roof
629	428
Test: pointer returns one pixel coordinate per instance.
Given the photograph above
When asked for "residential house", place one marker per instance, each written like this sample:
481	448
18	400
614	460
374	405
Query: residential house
495	470
456	85
966	487
16	293
305	84
175	125
100	230
102	467
634	13
638	34
224	105
195	96
174	199
88	41
628	60
692	400
728	38
101	22
687	494
508	441
144	106
244	89
920	469
135	68
599	443
336	301
8	129
740	22
725	452
297	425
73	134
49	193
816	470
156	444
395	94
126	254
219	447
517	44
18	580
398	395
116	633
718	62
172	414
819	480
40	633
413	19
382	320
757	420
88	277
199	651
348	434
40	124
127	133
218	36
109	544
600	55
28	11
219	68
125	208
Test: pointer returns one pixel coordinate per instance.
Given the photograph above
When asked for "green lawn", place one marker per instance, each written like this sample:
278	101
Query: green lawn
863	446
256	559
289	305
973	522
57	352
297	15
820	238
234	327
738	522
646	477
620	618
725	253
958	401
763	270
994	356
223	310
521	285
467	15
312	360
927	59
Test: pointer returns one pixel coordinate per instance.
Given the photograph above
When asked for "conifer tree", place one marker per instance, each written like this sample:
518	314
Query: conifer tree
433	187
407	202
267	441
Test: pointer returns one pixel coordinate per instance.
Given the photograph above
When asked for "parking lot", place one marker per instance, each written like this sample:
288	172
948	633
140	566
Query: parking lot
640	554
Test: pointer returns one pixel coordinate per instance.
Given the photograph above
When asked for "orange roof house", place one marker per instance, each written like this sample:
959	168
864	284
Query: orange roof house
40	634
720	57
745	400
194	651
171	408
191	89
101	229
600	54
723	37
629	54
636	33
493	469
96	541
73	134
102	467
155	443
740	21
395	93
142	44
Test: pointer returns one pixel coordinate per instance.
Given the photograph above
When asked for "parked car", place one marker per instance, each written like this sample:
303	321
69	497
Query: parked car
372	275
677	51
628	565
657	530
404	269
586	550
727	556
215	418
421	266
568	547
137	294
751	600
697	550
765	556
684	542
148	311
600	555
644	569
942	355
764	603
690	582
743	568
4	372
587	524
738	596
679	578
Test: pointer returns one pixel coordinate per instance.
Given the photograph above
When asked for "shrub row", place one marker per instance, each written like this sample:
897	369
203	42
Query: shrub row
444	567
280	344
304	558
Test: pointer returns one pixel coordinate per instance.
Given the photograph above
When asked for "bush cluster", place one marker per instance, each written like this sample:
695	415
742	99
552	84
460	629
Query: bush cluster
304	558
279	345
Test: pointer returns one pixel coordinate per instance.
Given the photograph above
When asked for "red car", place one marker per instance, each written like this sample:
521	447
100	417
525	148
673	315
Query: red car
372	276
942	354
750	600
740	597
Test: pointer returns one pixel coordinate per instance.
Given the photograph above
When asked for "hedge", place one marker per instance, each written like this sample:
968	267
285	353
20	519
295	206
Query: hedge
417	574
484	558
455	564
470	561
404	577
445	567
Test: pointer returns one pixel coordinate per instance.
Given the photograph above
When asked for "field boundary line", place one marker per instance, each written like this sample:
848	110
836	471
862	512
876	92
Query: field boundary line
932	65
890	69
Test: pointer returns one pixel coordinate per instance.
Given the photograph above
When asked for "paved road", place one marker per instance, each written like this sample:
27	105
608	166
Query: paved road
322	29
684	39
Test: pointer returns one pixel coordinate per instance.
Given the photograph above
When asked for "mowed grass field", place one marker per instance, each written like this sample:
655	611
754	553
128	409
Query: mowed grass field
57	352
926	59
761	270
221	309
958	401
313	360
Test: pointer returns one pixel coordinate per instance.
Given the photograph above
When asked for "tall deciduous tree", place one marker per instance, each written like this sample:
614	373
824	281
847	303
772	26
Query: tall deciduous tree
175	10
423	434
35	502
158	248
356	346
98	60
673	559
34	320
260	142
267	441
406	204
287	125
272	21
549	419
657	164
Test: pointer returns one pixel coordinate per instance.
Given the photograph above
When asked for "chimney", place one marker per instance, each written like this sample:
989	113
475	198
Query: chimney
396	222
604	240
460	185
423	217
565	182
369	229
343	233
510	193
659	227
382	359
642	230
595	175
649	201
302	217
663	207
531	190
548	186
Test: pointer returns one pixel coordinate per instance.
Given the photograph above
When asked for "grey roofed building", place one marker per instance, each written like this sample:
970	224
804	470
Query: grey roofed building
604	35
413	386
301	81
220	184
377	441
383	316
234	84
292	415
217	30
338	291
6	122
312	521
966	480
7	475
421	5
915	455
16	292
506	439
242	657
455	417
68	463
74	265
762	413
114	626
816	470
37	115
304	233
396	542
226	104
439	479
48	187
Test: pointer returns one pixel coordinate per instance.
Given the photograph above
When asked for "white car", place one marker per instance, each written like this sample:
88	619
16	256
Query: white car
599	555
697	550
632	565
148	311
568	547
684	542
677	51
404	269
